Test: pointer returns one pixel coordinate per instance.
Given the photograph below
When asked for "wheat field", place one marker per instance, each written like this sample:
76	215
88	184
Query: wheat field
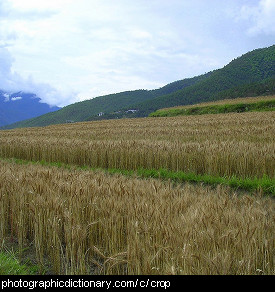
84	222
240	144
89	222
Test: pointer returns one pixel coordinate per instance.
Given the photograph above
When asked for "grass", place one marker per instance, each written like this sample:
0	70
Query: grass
11	265
238	107
265	184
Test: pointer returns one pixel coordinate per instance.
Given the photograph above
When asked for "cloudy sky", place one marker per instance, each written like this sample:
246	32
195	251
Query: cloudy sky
71	50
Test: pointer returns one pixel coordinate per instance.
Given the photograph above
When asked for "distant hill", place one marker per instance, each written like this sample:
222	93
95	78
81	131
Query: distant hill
21	106
251	74
82	111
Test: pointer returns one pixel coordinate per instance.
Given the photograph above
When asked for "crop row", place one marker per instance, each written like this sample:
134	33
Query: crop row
229	145
82	222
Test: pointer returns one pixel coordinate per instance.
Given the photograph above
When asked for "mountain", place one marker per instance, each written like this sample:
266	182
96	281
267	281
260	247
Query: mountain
82	111
251	74
20	106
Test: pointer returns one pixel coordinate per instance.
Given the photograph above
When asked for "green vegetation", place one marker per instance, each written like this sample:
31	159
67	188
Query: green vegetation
268	105
265	184
10	265
249	75
110	105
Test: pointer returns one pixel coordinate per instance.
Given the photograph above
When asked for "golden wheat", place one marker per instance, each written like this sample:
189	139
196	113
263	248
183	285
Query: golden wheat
85	222
225	145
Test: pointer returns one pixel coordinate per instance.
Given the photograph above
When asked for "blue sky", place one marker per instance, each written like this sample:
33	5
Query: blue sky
71	50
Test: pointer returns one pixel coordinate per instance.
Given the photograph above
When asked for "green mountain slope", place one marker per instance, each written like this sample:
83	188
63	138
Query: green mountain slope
186	97
251	74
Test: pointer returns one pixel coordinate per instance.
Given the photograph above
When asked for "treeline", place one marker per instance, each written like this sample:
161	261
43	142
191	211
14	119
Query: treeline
265	87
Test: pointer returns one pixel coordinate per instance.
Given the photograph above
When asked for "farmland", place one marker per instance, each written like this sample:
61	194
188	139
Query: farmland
83	221
259	103
223	145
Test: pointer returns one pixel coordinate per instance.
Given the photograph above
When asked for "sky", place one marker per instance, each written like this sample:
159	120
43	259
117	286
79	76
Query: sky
67	51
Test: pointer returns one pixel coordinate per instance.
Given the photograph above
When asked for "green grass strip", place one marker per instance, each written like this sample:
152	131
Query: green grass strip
216	109
10	265
265	184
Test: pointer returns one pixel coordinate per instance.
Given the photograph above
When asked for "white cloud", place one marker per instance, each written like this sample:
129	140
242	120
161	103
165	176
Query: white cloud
12	82
16	98
39	5
7	97
261	17
67	50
